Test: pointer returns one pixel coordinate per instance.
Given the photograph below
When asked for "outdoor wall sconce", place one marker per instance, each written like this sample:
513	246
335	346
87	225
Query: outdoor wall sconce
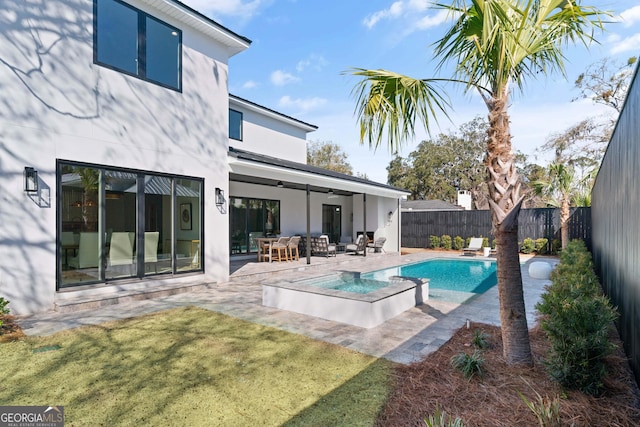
219	197
330	193
30	180
390	214
280	184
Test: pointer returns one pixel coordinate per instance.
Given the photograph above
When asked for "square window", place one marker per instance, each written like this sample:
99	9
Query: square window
128	40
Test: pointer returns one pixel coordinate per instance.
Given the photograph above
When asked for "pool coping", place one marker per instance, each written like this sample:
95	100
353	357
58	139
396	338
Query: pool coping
398	284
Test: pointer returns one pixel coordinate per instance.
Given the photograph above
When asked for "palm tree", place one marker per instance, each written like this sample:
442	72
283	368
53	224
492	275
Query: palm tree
558	188
495	45
562	189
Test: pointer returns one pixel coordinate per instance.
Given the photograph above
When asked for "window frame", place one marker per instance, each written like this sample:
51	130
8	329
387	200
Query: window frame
140	218
142	43
241	114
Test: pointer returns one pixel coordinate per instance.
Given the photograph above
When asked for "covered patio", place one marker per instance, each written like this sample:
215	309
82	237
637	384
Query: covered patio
273	197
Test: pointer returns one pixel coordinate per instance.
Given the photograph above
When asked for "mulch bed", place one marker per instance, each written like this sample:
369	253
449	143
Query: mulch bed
493	401
10	330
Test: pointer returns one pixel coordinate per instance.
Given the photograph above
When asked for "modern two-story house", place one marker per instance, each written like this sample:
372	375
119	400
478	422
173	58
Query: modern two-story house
125	163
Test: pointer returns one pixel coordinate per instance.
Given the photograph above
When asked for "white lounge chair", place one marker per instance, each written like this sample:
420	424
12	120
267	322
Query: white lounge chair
475	245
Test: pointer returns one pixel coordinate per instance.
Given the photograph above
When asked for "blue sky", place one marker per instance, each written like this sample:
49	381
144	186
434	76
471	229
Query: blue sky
300	49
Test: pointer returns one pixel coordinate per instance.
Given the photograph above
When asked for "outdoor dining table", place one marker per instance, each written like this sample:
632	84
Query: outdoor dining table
262	242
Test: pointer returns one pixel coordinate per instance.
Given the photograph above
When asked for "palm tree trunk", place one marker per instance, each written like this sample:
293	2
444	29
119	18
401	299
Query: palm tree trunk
565	214
505	202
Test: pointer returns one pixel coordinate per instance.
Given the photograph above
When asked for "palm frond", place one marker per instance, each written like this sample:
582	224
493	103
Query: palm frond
389	104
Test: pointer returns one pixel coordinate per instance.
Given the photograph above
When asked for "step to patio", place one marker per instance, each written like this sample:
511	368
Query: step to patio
66	303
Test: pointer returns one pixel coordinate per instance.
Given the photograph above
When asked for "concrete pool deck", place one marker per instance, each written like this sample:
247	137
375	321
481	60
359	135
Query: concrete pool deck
406	338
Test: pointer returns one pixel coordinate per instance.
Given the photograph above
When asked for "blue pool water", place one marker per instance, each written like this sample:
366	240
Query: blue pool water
350	284
470	276
452	280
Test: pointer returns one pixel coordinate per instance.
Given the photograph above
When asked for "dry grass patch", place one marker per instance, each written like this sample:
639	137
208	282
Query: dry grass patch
191	366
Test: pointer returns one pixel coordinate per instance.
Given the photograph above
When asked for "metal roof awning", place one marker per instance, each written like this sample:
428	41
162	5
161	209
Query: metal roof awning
259	169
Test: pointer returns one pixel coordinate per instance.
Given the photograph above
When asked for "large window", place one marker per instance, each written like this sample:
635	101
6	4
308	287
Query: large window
117	224
250	219
128	40
235	125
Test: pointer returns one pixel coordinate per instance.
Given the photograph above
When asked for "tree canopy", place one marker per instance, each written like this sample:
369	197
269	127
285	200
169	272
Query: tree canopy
328	155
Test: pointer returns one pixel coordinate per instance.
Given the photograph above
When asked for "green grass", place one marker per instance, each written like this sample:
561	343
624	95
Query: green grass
190	366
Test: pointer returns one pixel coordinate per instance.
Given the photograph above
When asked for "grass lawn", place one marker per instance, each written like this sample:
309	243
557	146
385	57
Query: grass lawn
191	366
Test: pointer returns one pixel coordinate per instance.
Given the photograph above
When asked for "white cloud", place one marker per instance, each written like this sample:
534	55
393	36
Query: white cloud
314	61
431	21
626	44
301	104
394	11
249	84
630	16
281	78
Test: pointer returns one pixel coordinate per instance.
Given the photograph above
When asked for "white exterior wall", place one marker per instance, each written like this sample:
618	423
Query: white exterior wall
378	220
269	136
56	104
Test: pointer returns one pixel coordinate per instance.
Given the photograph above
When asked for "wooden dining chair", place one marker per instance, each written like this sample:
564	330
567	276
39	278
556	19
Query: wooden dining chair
280	249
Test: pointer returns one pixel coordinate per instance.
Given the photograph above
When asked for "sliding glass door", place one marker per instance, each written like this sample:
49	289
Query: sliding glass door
118	224
249	219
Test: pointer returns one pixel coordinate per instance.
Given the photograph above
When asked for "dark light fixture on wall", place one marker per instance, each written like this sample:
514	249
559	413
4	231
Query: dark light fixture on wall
219	196
30	180
280	184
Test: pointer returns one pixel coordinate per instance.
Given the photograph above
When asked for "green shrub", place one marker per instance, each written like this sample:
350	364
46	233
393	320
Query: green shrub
528	246
556	246
485	242
434	242
577	319
441	419
480	339
469	365
494	244
458	243
546	410
3	310
446	241
541	245
3	306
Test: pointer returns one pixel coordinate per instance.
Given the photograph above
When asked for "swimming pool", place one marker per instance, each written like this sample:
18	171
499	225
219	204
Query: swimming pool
454	280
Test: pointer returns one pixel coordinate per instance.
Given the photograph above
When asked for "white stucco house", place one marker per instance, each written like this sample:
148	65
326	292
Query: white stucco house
126	164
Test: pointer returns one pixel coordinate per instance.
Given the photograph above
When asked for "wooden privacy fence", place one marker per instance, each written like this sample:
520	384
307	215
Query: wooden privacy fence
532	223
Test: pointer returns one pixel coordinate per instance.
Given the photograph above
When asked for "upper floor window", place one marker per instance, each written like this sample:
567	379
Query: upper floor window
235	125
128	40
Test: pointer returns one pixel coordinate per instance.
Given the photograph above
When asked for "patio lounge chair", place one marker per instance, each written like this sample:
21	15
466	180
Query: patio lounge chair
358	247
377	245
475	245
323	246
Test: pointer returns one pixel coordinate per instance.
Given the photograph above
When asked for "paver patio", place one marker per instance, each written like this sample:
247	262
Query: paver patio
405	338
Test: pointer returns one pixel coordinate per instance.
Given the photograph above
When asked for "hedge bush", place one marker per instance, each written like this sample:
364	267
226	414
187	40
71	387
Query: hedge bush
458	243
577	319
528	246
445	241
434	242
541	245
